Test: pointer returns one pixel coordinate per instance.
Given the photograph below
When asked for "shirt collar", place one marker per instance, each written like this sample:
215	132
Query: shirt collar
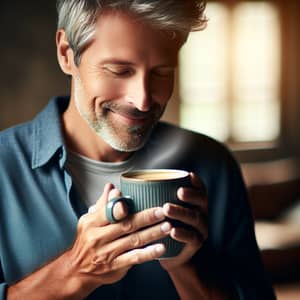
47	138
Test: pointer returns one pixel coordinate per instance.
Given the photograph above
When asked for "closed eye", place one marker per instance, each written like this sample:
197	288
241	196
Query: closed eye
118	70
122	73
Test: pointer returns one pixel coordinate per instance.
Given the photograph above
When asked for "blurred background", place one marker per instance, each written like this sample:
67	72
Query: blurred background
238	81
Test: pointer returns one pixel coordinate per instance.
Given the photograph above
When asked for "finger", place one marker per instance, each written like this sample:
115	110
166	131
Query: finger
190	237
198	183
101	202
135	222
193	196
120	209
145	236
138	256
192	217
96	214
114	193
133	241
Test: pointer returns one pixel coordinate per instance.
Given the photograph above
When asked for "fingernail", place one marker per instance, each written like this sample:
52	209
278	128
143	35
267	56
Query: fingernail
159	213
166	208
159	249
166	227
180	193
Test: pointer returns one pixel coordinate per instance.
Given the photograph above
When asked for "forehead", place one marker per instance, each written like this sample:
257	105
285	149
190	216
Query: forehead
122	34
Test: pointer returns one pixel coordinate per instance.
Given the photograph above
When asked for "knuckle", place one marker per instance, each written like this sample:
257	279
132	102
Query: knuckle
152	255
134	240
100	259
90	239
154	234
83	222
114	193
103	260
127	225
157	232
135	259
148	217
103	267
106	268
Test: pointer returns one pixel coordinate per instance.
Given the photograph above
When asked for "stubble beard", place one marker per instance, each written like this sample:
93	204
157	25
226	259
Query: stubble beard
119	137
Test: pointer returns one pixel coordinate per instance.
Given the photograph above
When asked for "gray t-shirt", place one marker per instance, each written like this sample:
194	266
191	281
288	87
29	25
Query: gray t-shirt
90	176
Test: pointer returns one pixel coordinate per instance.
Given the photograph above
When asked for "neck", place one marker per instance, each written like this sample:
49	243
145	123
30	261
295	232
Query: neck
82	139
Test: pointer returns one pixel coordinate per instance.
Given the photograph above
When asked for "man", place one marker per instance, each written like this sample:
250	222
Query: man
121	57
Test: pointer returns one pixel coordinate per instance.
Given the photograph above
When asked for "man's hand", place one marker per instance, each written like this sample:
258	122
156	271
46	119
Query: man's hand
195	217
184	274
104	252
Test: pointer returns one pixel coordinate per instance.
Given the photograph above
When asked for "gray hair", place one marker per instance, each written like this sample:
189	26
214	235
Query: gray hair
78	17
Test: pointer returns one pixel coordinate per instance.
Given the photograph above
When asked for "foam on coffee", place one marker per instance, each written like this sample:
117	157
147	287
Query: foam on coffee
154	175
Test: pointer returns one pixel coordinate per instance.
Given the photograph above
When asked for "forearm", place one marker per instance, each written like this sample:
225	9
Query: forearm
56	280
189	286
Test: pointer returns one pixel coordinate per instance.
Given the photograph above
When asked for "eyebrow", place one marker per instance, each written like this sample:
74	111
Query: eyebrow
119	62
116	62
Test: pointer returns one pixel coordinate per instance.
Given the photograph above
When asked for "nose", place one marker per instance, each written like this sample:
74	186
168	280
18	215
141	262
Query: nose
139	93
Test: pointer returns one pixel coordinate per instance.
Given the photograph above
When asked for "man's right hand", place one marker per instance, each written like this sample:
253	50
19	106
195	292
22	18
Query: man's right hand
101	254
104	252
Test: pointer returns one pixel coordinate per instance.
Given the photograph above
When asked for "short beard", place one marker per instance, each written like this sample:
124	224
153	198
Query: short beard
138	137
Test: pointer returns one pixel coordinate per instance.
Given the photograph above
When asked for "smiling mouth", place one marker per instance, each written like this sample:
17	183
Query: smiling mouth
138	117
130	119
130	115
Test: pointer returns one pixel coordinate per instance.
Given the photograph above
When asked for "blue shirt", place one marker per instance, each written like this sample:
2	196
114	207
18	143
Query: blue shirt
39	209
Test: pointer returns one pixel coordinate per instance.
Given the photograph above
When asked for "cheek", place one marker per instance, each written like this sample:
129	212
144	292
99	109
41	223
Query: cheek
105	89
162	90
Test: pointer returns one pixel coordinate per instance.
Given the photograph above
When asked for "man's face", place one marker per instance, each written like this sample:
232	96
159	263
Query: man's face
124	80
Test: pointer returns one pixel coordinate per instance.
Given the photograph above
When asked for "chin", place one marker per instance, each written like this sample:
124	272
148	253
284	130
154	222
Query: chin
126	147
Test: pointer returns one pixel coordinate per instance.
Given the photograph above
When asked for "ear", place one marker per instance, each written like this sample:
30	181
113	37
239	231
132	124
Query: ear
65	54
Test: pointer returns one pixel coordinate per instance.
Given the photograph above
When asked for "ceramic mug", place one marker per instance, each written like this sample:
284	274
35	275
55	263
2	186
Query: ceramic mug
142	189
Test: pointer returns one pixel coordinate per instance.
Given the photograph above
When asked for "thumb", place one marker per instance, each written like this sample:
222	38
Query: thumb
103	199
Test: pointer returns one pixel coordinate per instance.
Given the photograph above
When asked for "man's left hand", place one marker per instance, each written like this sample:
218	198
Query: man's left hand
196	217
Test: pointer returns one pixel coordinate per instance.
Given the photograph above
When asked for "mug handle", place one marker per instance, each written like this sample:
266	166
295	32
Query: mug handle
109	210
